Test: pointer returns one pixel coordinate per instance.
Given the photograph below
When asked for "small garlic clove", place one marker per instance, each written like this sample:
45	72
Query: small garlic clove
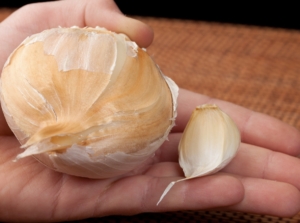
209	142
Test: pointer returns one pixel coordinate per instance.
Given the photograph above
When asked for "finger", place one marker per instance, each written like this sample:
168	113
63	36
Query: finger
72	198
114	20
165	169
260	196
64	194
47	190
256	128
250	161
9	147
256	162
144	192
53	196
168	152
268	197
246	194
34	18
216	191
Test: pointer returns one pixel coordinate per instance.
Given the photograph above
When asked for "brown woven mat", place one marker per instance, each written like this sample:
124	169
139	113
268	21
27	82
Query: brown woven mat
258	68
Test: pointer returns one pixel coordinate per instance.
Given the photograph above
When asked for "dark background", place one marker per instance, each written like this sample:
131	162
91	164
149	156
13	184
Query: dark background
281	15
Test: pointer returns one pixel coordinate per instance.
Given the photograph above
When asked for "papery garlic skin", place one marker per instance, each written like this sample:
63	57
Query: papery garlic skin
87	101
209	142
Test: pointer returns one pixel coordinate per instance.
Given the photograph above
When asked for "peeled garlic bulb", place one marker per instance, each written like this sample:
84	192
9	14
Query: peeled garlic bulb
87	101
209	142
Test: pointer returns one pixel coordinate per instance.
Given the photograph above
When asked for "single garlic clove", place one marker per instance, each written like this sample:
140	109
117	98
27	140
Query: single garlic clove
209	142
87	101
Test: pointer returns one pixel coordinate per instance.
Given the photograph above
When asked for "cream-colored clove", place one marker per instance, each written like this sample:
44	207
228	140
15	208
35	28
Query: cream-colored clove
209	142
87	101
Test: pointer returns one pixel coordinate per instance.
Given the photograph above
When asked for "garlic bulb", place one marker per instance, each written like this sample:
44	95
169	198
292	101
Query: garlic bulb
87	101
209	142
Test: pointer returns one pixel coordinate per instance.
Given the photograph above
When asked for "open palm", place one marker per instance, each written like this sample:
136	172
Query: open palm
262	178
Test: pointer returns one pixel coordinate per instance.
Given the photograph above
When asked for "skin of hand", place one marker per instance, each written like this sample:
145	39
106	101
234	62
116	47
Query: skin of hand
263	178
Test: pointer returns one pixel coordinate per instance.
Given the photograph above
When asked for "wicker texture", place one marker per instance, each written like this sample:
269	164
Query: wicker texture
258	68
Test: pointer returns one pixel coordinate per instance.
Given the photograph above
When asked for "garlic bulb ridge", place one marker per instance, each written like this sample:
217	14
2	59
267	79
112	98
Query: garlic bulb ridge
87	101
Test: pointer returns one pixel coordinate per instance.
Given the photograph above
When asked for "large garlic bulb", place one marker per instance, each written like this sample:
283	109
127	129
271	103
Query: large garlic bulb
87	101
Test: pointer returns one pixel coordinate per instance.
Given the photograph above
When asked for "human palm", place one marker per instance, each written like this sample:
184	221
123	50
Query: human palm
262	178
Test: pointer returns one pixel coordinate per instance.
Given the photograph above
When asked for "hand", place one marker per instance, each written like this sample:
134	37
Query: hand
262	178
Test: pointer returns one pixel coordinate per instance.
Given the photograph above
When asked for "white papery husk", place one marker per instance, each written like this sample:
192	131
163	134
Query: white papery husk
209	142
87	102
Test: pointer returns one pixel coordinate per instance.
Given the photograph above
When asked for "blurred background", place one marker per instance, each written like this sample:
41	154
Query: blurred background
281	15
